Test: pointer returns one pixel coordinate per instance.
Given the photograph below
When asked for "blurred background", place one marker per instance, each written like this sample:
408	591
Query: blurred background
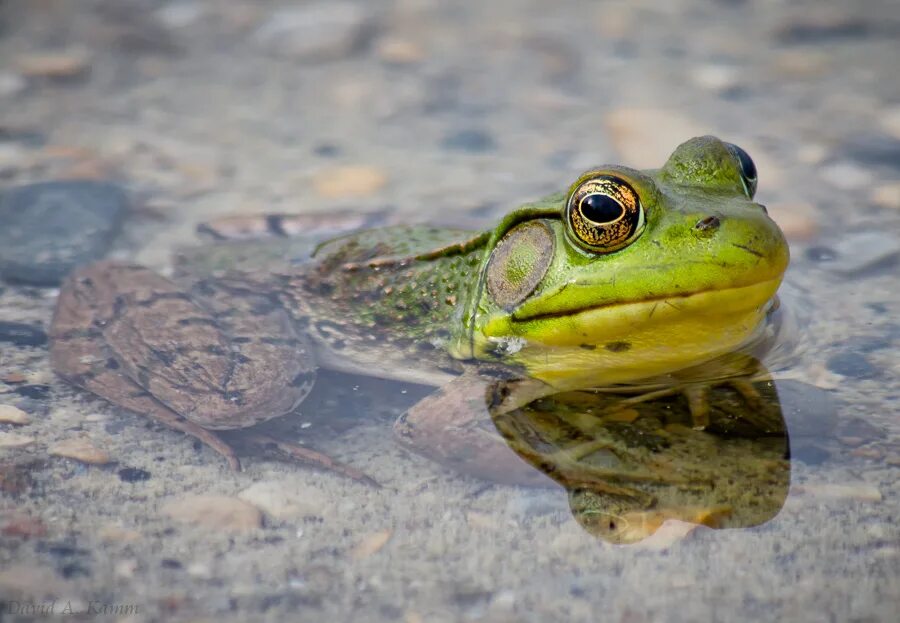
453	113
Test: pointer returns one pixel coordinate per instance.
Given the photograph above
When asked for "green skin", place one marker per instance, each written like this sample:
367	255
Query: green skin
693	281
416	296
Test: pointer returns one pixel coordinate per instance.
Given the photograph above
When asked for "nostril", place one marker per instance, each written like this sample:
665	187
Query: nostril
708	224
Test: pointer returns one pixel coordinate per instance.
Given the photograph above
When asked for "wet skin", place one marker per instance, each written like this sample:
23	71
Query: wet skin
627	277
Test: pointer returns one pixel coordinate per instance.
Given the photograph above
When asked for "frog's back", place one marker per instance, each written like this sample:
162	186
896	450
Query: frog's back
387	301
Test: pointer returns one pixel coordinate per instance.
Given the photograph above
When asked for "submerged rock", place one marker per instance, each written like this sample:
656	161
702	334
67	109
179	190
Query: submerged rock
52	227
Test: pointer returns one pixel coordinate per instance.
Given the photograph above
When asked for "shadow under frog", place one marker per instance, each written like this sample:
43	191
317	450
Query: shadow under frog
630	465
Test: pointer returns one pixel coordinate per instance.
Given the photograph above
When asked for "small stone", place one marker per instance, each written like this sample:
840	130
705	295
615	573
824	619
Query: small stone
861	251
801	63
861	492
399	51
180	14
81	450
317	31
349	181
133	474
51	227
797	220
13	378
285	500
474	141
716	78
21	334
11	84
890	121
117	534
125	569
13	415
35	392
886	195
870	150
216	512
867	453
823	26
644	137
14	440
34	583
23	527
370	545
54	65
847	175
484	521
852	365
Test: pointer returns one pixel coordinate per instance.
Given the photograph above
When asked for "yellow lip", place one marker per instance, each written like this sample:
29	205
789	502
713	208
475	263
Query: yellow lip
597	325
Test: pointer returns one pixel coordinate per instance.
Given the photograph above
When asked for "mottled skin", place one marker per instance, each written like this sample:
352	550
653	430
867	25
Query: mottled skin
661	270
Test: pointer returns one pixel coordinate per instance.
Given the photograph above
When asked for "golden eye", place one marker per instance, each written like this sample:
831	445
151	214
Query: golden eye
604	214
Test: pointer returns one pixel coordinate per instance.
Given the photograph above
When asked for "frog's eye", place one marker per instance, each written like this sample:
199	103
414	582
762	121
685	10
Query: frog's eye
748	169
604	214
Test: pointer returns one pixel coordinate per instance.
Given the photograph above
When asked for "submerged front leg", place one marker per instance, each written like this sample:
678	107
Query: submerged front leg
453	426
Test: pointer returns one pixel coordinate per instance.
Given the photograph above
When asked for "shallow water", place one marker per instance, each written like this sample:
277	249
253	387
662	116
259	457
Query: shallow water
453	114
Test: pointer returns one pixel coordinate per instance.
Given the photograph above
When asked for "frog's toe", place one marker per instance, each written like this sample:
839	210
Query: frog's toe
309	456
698	404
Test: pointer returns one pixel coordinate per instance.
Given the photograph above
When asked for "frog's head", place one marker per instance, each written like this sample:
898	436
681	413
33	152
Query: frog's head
631	274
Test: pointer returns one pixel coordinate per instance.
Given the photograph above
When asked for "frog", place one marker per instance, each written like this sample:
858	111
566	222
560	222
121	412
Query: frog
626	278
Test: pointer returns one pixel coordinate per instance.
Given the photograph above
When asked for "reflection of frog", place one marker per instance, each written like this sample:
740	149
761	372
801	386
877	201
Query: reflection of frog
628	275
629	469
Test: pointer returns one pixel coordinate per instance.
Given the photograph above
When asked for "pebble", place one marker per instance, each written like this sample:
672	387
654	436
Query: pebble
133	474
861	251
823	26
13	415
473	141
81	450
852	365
35	392
21	334
11	84
52	227
317	31
14	440
348	181
801	63
716	78
399	51
889	119
847	175
24	527
20	579
59	65
645	137
113	533
370	544
797	220
286	500
216	512
876	150
886	195
860	492
13	378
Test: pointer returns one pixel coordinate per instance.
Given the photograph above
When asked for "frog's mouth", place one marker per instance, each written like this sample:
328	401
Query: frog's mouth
714	310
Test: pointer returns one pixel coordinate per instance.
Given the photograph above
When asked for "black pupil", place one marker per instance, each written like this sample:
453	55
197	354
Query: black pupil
747	166
600	208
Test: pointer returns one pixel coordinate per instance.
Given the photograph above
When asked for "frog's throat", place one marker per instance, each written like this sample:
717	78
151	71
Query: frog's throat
630	341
